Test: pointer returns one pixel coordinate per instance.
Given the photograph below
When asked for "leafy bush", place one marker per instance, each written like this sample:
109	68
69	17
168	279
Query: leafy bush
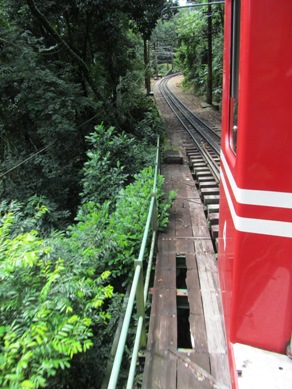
48	308
149	127
127	223
103	174
38	213
112	162
123	229
55	293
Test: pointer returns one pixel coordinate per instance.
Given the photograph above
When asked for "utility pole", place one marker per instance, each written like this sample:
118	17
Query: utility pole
210	57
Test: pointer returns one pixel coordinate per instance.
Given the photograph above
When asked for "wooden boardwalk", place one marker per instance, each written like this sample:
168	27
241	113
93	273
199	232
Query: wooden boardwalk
185	248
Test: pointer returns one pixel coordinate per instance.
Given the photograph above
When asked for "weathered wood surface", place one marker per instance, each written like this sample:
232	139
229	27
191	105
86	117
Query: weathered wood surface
205	365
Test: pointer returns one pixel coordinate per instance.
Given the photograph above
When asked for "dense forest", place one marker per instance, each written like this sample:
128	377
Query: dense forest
191	41
78	139
200	50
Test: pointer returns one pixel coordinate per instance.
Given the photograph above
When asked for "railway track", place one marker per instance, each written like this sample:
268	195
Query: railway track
203	152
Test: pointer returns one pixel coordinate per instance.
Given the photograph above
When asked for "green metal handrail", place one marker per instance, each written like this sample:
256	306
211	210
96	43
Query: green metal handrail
139	291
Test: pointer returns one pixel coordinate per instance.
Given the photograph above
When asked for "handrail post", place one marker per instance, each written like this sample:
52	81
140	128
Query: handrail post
140	303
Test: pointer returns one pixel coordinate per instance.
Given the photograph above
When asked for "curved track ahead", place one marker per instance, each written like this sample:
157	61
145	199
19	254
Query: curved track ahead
205	139
204	156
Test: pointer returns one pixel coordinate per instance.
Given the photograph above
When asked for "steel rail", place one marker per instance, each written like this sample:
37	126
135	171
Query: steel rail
197	119
203	130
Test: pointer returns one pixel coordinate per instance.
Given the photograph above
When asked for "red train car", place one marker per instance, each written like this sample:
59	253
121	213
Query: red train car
255	225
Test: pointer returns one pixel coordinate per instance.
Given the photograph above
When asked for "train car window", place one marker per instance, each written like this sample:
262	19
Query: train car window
234	71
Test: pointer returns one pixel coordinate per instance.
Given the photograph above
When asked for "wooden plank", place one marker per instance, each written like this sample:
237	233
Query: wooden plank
199	163
203	246
202	359
166	260
168	186
209	191
213	217
184	245
191	263
196	319
171	172
211	199
201	379
198	333
183	226
192	194
162	332
188	380
193	282
162	326
213	208
208	184
220	368
166	244
199	169
159	371
163	301
205	174
195	154
215	230
201	231
187	234
207	178
197	214
212	306
165	278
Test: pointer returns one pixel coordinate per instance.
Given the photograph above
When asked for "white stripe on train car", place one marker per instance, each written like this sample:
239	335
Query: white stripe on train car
257	197
256	226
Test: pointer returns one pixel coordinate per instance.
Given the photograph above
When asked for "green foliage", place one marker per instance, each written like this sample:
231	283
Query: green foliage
145	15
57	288
112	161
127	223
56	293
148	128
192	53
40	111
48	307
37	214
48	105
121	231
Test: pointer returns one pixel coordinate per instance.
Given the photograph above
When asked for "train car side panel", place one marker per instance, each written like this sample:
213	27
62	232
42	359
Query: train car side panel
255	226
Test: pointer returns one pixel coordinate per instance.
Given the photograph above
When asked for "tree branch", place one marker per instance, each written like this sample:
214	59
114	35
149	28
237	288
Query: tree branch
75	57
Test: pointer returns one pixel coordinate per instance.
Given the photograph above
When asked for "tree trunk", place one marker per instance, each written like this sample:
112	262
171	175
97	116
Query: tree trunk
210	57
147	66
156	62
